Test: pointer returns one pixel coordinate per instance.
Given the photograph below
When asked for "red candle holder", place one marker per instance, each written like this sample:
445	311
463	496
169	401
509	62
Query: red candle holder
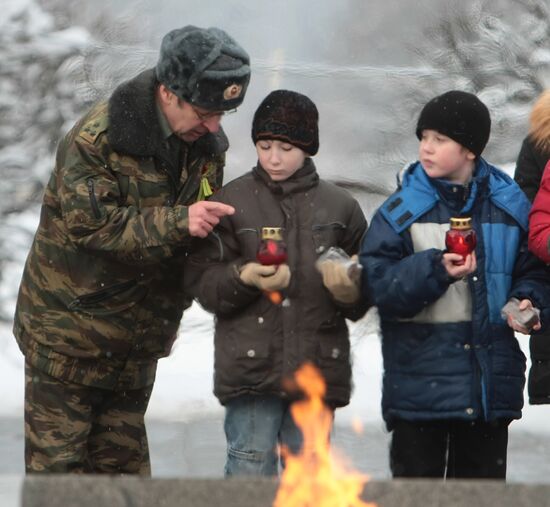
461	238
272	252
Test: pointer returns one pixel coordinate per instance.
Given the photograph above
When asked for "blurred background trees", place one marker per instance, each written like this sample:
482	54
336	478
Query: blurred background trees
44	86
501	55
496	49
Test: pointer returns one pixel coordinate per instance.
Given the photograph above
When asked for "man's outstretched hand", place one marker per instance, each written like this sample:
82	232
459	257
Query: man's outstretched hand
205	215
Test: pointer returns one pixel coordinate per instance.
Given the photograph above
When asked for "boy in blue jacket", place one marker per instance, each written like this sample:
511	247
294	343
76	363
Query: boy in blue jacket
453	369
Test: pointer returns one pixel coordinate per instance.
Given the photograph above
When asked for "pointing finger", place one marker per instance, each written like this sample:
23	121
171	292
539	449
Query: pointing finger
218	208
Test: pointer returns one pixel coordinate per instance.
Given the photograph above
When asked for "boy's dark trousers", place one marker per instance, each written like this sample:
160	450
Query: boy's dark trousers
449	448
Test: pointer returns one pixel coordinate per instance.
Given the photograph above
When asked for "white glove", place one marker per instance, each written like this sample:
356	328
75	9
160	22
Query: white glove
337	281
268	278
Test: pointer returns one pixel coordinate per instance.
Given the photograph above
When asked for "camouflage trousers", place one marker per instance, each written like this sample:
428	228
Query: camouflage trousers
72	428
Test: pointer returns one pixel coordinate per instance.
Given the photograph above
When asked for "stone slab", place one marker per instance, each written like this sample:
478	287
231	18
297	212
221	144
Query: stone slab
96	491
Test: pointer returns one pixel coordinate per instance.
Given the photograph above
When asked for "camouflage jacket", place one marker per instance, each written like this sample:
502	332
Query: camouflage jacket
101	295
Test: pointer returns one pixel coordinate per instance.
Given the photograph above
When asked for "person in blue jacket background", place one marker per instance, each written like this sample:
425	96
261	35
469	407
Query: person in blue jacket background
453	369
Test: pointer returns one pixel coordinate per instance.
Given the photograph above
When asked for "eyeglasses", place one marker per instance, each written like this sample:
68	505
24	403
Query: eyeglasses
210	114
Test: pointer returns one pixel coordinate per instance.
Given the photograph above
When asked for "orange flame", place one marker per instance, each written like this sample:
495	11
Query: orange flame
357	425
312	478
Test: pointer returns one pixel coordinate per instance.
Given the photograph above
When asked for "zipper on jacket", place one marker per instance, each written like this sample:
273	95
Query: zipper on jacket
101	295
331	225
93	200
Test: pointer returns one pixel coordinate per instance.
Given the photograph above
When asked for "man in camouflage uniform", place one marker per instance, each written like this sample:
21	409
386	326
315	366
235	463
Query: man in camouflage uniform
101	300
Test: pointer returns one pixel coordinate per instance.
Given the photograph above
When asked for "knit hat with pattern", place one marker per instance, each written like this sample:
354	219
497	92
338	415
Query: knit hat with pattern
287	116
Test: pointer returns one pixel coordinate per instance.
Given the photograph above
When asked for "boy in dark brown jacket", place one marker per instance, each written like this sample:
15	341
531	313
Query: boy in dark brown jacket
259	343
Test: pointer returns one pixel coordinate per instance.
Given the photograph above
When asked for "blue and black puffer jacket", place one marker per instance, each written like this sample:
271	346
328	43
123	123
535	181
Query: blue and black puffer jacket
447	351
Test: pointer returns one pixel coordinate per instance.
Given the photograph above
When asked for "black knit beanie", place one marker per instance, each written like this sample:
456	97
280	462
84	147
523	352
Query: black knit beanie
204	66
460	116
287	116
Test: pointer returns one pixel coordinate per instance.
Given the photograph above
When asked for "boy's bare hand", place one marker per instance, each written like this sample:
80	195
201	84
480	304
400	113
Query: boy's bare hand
205	215
455	270
524	304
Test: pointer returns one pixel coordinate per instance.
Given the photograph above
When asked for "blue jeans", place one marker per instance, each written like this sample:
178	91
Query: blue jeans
254	425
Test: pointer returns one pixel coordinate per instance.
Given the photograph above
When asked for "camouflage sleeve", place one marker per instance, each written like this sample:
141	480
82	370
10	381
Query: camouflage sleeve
89	195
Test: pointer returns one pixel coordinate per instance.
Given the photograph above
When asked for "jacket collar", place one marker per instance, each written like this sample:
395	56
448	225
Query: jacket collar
488	182
457	196
134	127
303	179
461	197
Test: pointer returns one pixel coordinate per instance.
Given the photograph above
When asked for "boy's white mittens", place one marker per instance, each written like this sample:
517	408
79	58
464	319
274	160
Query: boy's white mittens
337	281
267	278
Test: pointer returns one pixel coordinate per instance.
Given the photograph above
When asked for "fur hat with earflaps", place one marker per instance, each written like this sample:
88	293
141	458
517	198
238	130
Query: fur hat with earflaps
290	117
205	67
460	116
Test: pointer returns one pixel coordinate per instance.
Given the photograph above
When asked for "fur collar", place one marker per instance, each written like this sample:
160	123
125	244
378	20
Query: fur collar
539	128
133	125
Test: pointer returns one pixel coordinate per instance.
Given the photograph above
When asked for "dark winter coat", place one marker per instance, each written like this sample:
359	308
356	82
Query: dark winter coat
259	344
100	300
539	240
447	351
532	158
530	166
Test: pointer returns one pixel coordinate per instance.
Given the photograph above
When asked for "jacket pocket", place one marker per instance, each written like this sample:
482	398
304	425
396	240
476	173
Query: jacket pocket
327	235
334	358
251	349
243	355
142	183
334	340
110	300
